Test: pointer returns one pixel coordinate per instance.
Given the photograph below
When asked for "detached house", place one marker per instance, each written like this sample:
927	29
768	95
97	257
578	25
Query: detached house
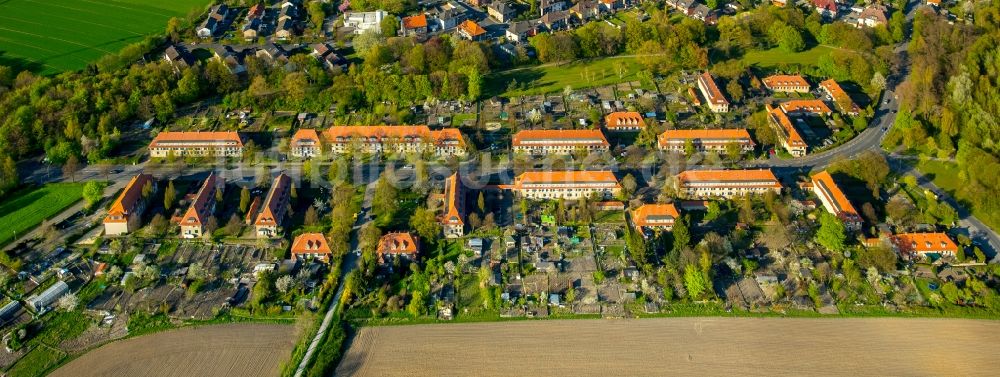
365	21
453	218
311	246
501	11
624	121
555	20
521	31
325	54
126	212
873	16
178	57
398	245
834	200
546	6
650	217
214	22
272	212
923	244
471	30
413	26
586	10
201	208
826	8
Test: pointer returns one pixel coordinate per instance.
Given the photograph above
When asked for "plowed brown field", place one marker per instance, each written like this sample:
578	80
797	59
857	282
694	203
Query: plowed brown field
680	346
219	350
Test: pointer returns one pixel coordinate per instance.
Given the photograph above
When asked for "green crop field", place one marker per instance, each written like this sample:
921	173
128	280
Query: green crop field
50	36
27	209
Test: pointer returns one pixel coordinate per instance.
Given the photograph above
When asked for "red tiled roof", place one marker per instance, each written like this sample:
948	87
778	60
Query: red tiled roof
559	137
534	177
784	80
305	134
414	22
382	132
805	106
187	138
824	181
471	28
310	243
714	94
398	243
132	193
452	193
624	119
726	176
655	215
923	243
707	136
200	202
838	94
273	209
792	135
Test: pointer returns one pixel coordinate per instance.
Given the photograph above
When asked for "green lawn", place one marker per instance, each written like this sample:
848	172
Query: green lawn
59	35
777	56
945	175
36	362
548	79
27	209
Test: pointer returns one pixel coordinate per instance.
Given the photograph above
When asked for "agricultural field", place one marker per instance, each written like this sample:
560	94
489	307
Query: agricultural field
554	78
218	350
27	209
682	346
52	36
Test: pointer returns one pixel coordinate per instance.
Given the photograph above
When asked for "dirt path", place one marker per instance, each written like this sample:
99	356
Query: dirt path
220	350
680	346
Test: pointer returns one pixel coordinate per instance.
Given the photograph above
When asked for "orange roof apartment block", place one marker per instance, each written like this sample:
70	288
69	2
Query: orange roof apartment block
272	211
655	216
453	218
624	121
835	201
914	244
705	140
806	107
470	30
398	245
311	246
202	206
566	184
180	144
726	183
840	97
395	139
541	142
126	212
786	84
305	144
790	138
716	101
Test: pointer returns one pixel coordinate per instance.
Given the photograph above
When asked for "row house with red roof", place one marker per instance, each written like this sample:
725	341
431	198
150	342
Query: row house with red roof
716	101
201	208
834	200
544	142
726	183
126	212
196	144
378	139
705	140
453	218
268	221
565	184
